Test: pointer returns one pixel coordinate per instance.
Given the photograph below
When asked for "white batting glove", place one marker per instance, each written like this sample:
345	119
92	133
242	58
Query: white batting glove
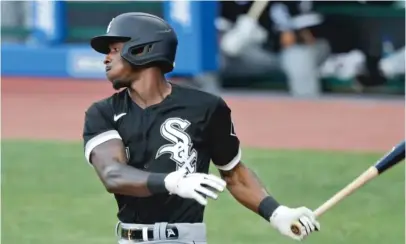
246	31
196	186
283	218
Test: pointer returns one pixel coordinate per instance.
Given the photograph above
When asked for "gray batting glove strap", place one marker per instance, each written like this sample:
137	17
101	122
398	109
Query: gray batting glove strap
196	186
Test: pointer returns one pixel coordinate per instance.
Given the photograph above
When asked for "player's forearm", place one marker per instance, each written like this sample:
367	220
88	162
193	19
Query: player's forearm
125	180
246	188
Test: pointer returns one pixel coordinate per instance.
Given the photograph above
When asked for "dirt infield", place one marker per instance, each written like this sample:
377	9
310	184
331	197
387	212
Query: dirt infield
54	109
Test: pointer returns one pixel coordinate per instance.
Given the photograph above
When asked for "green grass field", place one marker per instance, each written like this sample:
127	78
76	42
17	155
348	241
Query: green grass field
50	195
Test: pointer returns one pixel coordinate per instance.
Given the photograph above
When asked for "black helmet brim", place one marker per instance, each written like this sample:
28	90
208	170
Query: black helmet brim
101	43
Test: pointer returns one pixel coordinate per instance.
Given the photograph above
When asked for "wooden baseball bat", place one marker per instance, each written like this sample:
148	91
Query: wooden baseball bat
256	9
234	40
393	157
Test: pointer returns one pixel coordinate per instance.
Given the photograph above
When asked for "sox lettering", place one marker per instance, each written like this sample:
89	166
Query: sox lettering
181	149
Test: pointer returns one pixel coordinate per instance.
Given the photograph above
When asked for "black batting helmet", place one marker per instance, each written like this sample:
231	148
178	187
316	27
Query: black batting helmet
148	40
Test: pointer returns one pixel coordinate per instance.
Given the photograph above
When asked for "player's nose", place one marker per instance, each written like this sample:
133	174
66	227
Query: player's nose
107	60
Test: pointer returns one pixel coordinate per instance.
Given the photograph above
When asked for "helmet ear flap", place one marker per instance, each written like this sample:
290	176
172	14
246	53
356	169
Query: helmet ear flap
152	52
137	54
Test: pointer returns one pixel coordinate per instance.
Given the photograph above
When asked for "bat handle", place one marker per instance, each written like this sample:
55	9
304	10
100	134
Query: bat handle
256	9
296	226
391	158
369	174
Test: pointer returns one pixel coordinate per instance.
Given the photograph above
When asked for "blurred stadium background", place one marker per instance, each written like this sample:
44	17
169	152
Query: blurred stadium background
317	94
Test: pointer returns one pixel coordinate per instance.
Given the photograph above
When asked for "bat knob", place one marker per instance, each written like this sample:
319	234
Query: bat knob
295	229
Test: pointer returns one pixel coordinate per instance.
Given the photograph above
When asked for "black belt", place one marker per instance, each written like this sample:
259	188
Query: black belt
171	233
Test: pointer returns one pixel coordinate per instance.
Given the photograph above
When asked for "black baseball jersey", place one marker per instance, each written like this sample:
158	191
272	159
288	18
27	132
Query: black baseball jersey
189	128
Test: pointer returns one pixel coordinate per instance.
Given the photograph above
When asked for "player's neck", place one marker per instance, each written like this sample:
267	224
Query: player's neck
149	89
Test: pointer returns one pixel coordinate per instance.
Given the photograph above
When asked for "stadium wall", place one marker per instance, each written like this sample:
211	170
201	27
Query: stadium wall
47	56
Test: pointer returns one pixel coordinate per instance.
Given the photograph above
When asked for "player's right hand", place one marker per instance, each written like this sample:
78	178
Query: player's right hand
196	186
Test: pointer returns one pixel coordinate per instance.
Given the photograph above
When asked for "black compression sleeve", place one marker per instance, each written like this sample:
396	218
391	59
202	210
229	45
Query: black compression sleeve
156	183
267	207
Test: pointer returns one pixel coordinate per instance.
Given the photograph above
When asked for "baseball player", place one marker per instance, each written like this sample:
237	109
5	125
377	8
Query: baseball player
151	143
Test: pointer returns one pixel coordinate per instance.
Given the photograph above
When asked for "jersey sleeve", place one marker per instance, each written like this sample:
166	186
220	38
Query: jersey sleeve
224	144
98	128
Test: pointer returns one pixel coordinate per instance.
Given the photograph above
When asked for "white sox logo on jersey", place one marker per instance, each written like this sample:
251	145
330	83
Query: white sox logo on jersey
181	149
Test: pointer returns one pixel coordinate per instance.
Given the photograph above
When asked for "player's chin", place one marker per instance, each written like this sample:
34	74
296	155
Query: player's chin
118	84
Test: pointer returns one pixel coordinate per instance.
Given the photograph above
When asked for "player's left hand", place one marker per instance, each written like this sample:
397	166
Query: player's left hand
197	186
283	218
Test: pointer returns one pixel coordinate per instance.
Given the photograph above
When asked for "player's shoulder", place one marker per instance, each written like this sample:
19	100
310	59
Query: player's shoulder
194	96
108	105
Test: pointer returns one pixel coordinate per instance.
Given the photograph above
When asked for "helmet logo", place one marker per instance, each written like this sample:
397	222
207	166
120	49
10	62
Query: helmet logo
108	27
